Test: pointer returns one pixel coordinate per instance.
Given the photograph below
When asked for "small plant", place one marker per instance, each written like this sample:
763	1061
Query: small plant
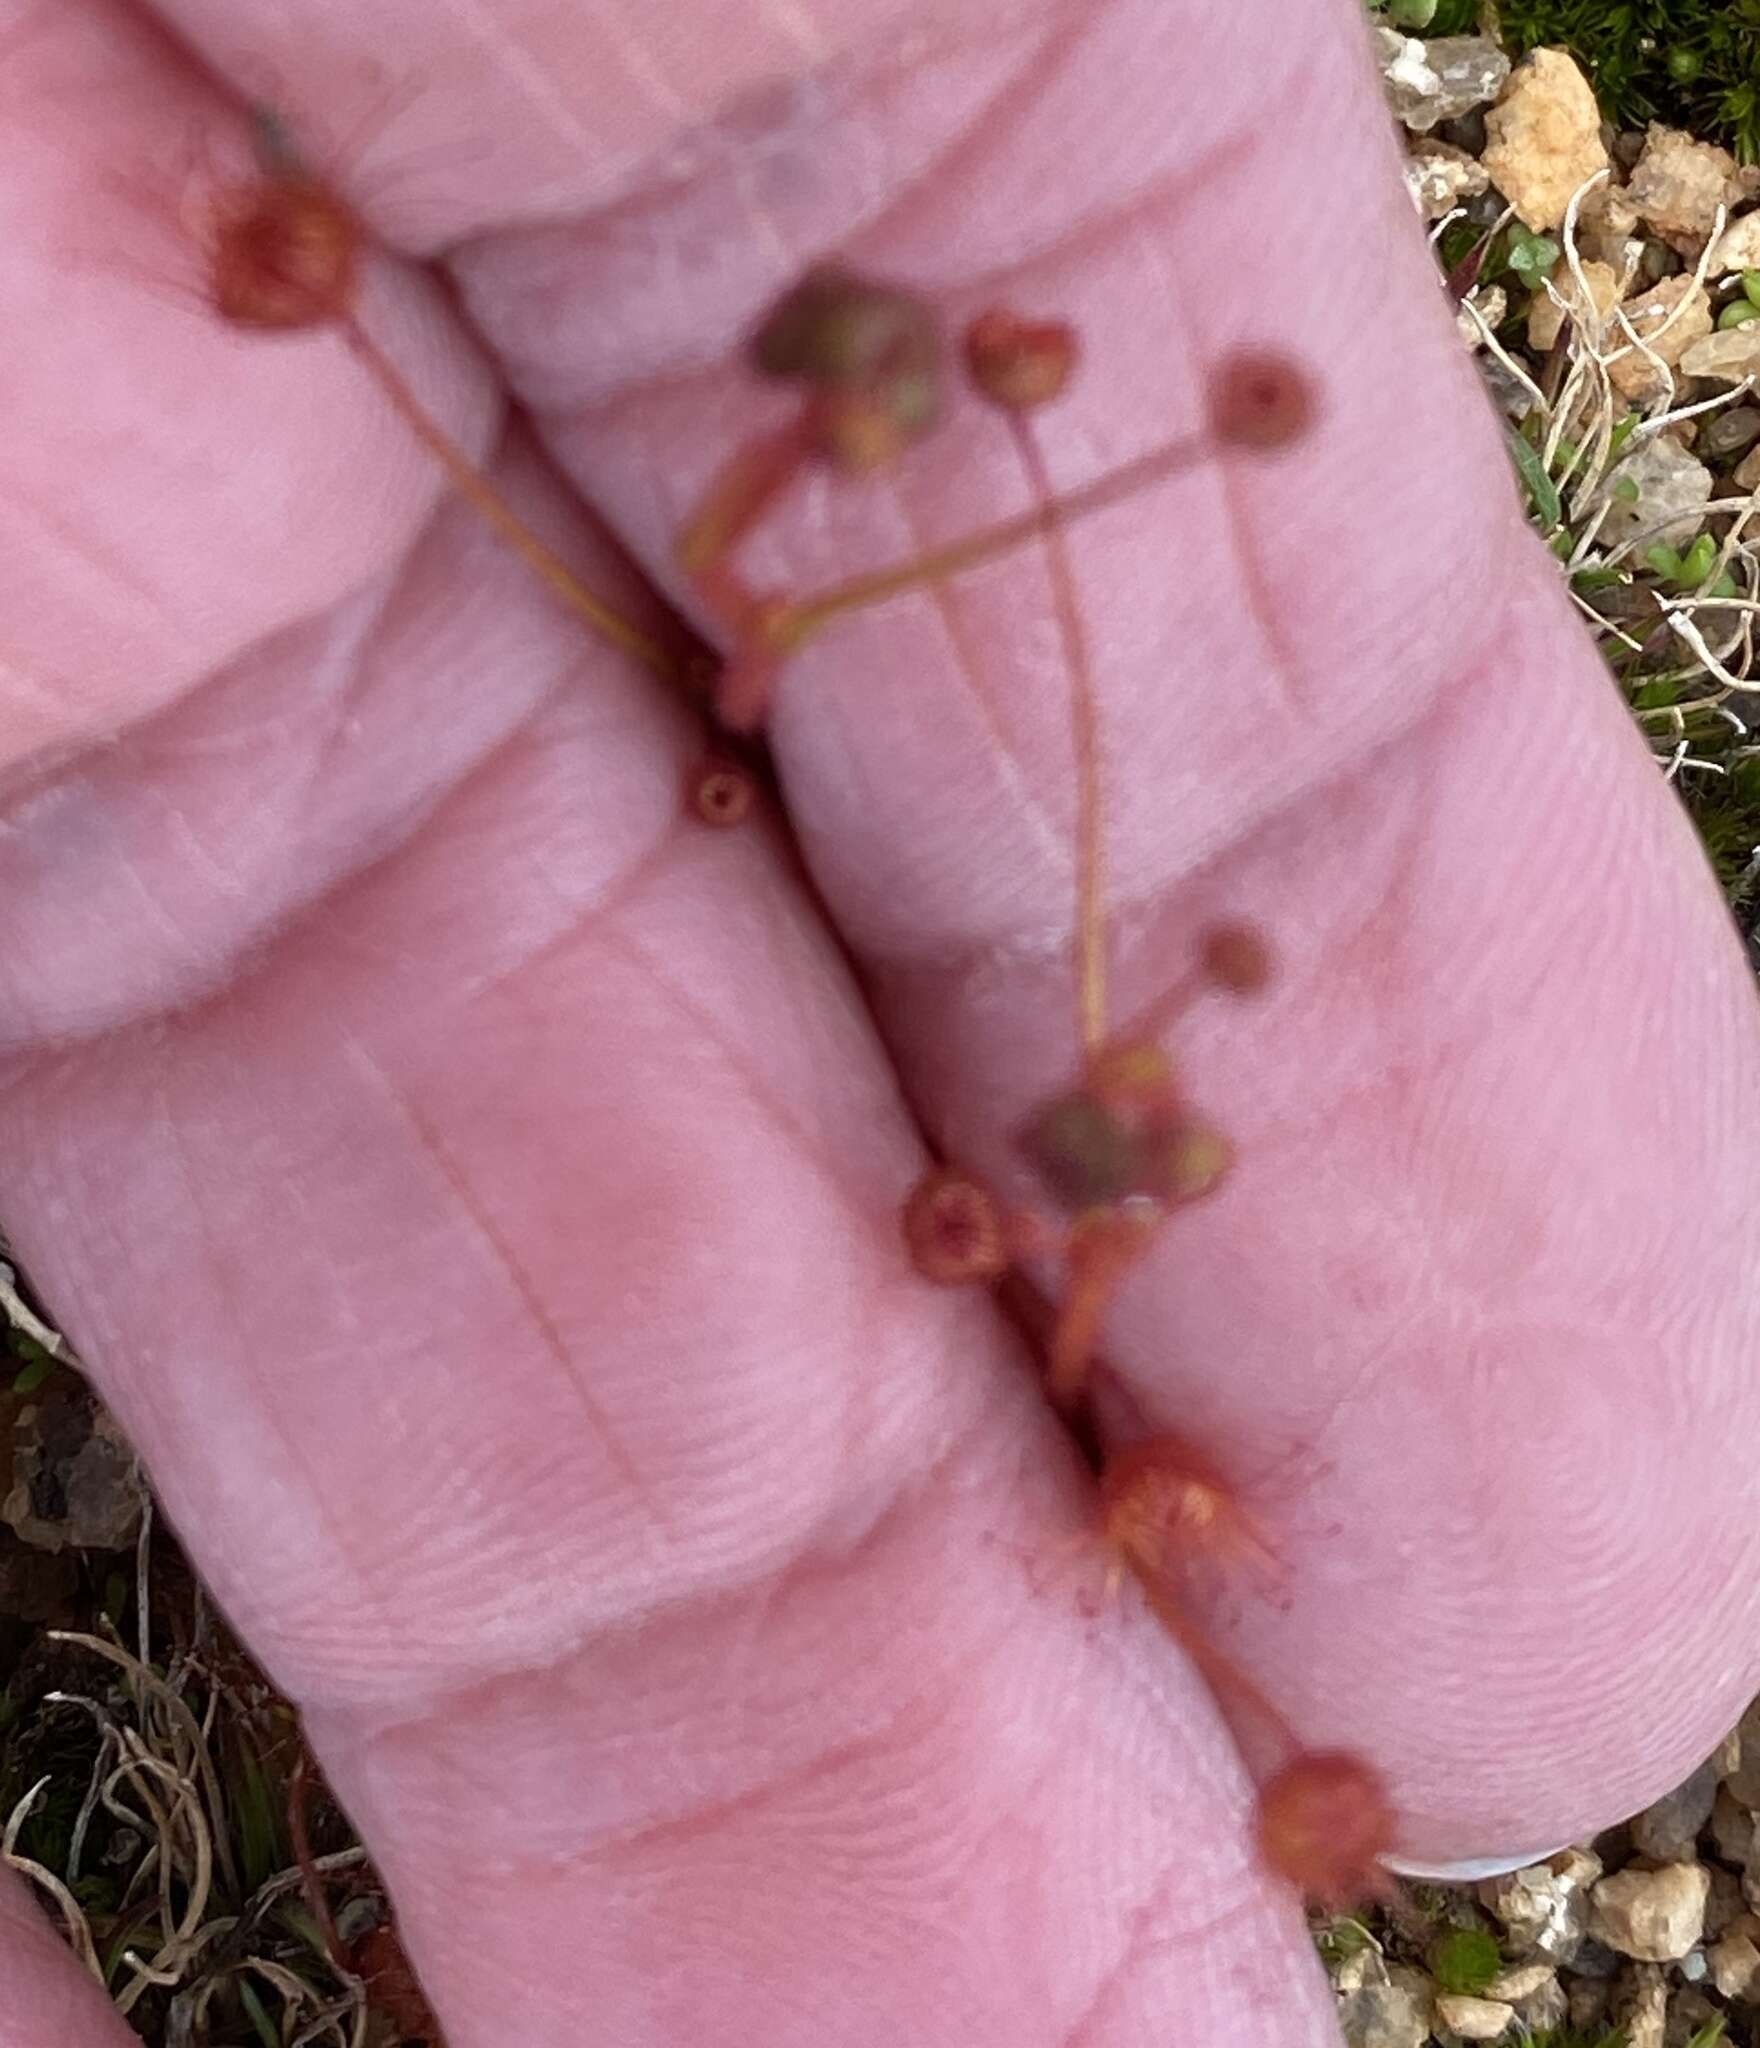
1117	1150
1428	17
1342	1936
1465	1960
1687	62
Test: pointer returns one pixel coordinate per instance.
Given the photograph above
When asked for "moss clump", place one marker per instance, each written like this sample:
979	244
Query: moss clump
1465	1960
1692	63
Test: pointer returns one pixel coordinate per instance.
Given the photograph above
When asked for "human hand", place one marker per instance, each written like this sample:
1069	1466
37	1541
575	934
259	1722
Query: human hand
476	1188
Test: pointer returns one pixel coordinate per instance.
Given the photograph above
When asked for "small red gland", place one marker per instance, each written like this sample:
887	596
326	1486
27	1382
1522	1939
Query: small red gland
285	255
869	352
721	791
1019	364
954	1230
1324	1823
1260	399
1236	958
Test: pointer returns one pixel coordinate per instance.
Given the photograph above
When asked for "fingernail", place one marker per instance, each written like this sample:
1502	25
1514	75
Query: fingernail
1471	1868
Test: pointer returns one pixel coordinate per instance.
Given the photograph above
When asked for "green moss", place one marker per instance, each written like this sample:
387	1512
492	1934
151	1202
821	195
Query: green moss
1465	1960
1692	63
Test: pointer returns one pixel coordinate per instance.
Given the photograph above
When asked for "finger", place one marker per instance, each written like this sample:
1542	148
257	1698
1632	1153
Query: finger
497	1263
1485	1249
51	2000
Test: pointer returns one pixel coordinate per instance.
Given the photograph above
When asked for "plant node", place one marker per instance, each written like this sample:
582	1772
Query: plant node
955	1230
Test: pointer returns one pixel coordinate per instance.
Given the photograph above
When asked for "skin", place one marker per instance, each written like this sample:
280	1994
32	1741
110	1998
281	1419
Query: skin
476	1186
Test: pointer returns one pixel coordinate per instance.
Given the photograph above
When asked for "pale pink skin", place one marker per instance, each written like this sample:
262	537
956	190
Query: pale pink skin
476	1185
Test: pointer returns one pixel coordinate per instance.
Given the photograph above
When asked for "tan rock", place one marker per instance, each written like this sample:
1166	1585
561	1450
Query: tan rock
1668	319
1735	1960
1385	2016
1730	357
1732	1826
1640	2005
1678	184
1546	316
1473	2019
1519	1981
1491	303
1428	83
1544	1907
1737	248
1608	229
1746	476
1439	177
1742	1779
1545	137
1654	1915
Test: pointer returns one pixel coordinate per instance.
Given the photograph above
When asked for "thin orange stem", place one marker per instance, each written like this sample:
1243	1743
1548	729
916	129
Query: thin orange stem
1090	932
1224	1677
1100	1254
817	608
745	489
485	500
1153	1019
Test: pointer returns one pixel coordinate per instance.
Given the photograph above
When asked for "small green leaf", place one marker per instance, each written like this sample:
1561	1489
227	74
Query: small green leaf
267	2032
1684	65
1663	559
1412	13
1596	577
1696	562
1709	2034
1531	256
1751	285
1622	433
1626	490
1657	696
1725	586
1542	491
1739	312
33	1375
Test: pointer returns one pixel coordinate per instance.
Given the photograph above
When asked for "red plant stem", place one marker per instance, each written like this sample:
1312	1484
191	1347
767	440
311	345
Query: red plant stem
1090	912
484	499
1224	1677
310	1883
809	613
750	482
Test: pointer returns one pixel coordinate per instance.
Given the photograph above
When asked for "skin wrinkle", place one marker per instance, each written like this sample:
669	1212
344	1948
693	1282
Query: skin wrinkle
254	946
510	58
246	1360
1148	910
969	670
704	371
524	1288
811	1569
